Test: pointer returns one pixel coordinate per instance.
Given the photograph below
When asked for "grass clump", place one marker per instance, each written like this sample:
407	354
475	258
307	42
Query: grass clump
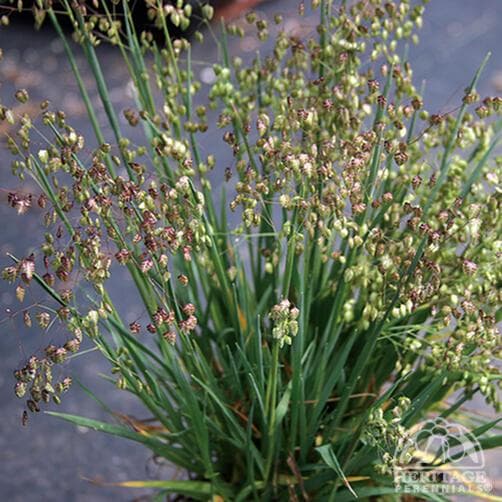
289	355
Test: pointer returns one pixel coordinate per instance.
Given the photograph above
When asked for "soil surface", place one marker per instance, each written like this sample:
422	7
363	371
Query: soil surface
51	461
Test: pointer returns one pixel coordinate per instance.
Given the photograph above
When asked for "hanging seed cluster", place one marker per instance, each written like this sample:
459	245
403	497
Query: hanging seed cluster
367	227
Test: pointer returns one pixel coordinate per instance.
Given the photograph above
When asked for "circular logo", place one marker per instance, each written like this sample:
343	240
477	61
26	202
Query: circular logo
437	442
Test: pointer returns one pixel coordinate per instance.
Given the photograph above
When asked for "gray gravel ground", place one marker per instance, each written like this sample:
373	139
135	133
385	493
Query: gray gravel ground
50	461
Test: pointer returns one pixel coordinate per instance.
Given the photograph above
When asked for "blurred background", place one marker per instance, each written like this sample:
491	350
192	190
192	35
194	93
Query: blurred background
51	461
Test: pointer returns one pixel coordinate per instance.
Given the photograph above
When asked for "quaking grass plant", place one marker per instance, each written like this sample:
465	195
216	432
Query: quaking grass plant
290	355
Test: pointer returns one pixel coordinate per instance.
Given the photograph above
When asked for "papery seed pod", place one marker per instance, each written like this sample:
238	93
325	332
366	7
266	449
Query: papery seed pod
66	295
36	394
48	384
416	181
27	268
436	119
27	319
20	389
121	383
135	327
43	156
417	103
59	355
43	319
132	117
46	396
434	236
72	345
170	318
10	273
170	337
28	374
33	363
158	317
64	385
443	216
146	265
189	324
358	208
468	307
20	293
482	111
21	202
373	85
408	111
469	267
187	256
470	98
189	309
382	101
151	243
62	274
64	313
32	406
123	256
22	96
400	157
42	201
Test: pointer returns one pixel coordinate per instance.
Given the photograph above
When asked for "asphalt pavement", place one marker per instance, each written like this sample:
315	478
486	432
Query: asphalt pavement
51	461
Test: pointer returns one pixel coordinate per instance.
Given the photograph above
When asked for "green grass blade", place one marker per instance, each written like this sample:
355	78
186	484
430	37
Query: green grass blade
329	457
